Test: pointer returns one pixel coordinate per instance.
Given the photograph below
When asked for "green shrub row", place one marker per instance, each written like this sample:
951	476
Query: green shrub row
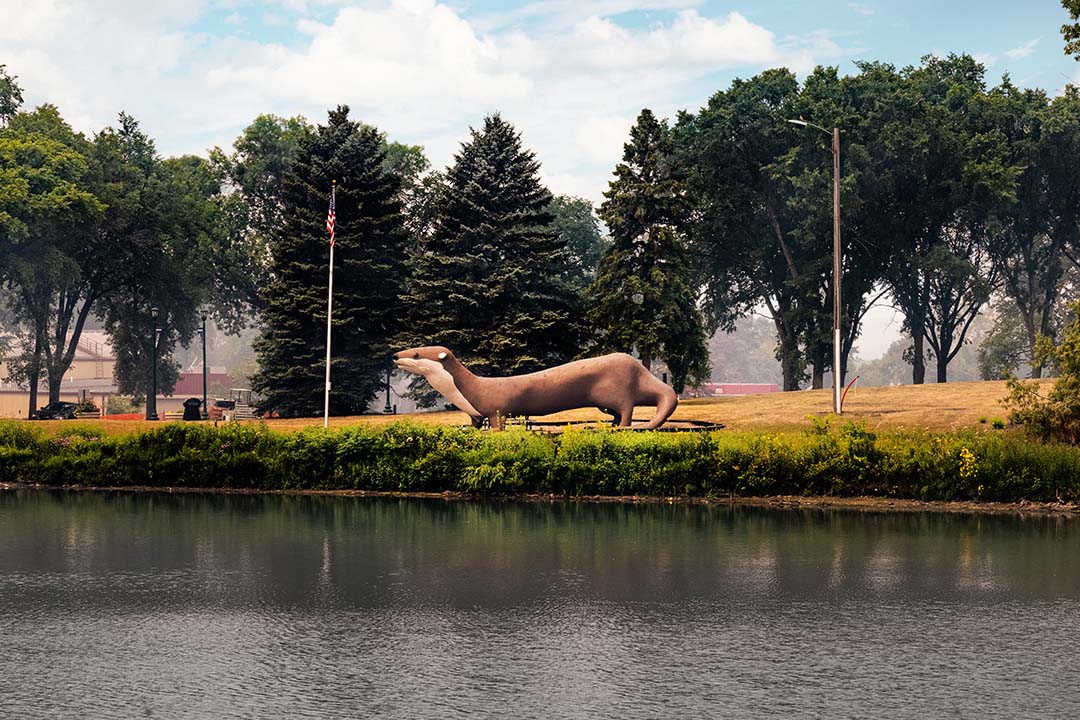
827	460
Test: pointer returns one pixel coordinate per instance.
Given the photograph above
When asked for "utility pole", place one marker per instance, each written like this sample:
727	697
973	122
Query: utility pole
837	379
202	331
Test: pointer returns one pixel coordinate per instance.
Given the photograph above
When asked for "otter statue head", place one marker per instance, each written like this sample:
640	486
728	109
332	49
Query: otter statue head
438	365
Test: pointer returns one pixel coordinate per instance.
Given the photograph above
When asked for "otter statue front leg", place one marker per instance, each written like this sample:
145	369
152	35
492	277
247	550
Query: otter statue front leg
614	415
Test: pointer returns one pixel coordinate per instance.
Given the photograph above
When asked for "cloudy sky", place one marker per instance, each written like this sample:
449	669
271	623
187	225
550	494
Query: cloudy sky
570	74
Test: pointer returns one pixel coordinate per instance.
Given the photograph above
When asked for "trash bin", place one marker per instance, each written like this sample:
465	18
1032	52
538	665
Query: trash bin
191	409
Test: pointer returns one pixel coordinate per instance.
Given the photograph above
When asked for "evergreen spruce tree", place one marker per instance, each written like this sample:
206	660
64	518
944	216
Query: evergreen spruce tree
642	299
489	281
369	275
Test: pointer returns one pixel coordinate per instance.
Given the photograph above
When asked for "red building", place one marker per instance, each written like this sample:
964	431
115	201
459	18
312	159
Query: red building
189	384
724	389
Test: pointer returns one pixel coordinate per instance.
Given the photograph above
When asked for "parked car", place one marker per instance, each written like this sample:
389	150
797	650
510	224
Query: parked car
59	410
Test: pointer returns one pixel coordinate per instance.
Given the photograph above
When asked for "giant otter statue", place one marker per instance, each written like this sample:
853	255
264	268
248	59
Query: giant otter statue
614	383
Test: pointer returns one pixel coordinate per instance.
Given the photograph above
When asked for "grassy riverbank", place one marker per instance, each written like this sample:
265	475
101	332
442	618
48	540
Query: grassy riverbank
939	408
845	460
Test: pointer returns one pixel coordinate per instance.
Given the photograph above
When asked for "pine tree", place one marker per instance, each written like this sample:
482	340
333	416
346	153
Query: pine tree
369	275
642	298
489	280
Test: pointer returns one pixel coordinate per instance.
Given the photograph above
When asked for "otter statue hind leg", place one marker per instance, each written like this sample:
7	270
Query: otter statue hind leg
666	403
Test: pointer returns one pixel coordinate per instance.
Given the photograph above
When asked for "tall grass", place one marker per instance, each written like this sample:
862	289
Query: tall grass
827	460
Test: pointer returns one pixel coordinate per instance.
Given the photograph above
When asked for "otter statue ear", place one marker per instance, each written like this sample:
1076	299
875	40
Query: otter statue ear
442	356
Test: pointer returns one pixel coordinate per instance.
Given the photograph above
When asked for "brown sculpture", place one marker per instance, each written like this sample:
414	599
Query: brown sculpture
614	383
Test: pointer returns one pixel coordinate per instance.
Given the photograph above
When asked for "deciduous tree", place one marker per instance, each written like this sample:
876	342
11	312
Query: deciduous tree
943	169
1031	239
10	96
575	222
252	209
1071	31
741	222
51	263
164	216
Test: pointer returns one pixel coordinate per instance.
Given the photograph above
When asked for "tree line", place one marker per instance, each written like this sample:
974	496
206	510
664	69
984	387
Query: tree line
102	229
99	230
952	191
481	258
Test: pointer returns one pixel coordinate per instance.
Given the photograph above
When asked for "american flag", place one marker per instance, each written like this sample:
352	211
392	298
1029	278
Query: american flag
331	218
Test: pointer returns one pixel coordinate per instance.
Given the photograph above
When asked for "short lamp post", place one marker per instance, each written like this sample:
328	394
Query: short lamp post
835	133
388	409
202	333
151	401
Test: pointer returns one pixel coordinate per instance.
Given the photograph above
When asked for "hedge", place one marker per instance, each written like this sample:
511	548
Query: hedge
844	460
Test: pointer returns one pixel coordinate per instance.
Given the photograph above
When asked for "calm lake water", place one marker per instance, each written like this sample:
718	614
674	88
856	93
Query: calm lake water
116	605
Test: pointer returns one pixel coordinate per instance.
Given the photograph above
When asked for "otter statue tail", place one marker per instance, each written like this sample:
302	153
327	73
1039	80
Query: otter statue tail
666	402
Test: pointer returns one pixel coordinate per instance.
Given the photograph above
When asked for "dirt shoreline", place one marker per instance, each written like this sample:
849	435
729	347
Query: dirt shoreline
784	502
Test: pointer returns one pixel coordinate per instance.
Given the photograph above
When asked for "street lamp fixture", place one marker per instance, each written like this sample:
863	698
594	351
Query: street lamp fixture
835	133
388	409
151	401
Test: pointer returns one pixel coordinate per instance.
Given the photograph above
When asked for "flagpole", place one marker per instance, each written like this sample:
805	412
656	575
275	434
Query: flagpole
329	303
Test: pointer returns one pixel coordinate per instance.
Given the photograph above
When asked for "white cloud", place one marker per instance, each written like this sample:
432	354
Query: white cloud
1023	51
297	6
422	72
987	60
417	69
689	40
94	60
861	9
803	54
413	61
601	138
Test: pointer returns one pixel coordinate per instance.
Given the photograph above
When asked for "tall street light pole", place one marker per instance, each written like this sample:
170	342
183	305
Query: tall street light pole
202	331
151	402
836	255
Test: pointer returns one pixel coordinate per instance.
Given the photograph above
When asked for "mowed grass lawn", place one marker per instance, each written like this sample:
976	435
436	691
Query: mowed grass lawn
945	407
